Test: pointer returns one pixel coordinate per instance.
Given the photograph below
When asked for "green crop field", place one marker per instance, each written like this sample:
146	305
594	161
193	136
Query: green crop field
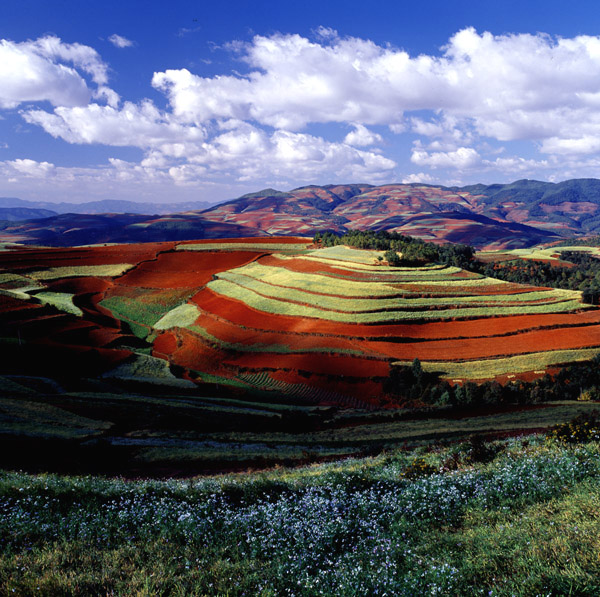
384	270
182	316
489	368
343	253
61	300
272	299
53	273
147	307
280	276
543	253
149	369
318	290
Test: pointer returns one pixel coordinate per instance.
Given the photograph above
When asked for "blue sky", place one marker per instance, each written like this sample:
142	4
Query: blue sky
191	100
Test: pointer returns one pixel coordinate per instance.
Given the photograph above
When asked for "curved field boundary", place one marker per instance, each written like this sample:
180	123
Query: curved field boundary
243	315
364	305
385	270
318	284
236	322
149	369
488	369
468	349
61	300
21	293
361	292
231	337
144	307
184	270
474	283
281	275
236	339
343	253
182	316
275	306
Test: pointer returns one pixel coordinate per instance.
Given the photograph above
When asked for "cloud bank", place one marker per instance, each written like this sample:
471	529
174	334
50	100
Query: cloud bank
460	112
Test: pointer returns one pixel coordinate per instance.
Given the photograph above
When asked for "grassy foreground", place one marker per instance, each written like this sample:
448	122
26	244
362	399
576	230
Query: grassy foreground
514	517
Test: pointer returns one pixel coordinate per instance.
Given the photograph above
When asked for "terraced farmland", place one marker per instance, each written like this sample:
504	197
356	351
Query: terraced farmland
277	317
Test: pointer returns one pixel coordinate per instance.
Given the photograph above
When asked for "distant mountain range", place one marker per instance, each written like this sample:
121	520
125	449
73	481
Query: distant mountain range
102	207
519	214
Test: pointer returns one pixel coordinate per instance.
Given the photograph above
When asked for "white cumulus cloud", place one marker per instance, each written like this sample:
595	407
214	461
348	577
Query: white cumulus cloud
480	96
508	87
48	69
30	168
361	136
461	159
138	125
417	178
119	41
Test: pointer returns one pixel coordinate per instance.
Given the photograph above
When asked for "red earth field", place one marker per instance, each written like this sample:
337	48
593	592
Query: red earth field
232	344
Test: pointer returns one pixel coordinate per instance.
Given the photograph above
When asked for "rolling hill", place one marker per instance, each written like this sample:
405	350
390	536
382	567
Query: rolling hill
515	215
103	206
66	230
277	317
500	216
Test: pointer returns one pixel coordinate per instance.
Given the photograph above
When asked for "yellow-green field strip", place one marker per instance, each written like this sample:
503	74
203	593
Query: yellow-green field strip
281	307
384	270
182	316
318	283
488	368
61	300
335	302
541	253
52	273
343	253
323	285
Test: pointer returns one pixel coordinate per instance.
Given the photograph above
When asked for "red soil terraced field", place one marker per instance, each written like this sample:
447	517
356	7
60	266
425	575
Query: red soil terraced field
18	259
185	269
243	316
268	240
317	325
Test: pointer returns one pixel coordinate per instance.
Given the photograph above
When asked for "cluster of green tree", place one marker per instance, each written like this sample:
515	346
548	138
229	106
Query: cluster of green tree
413	250
588	241
573	382
585	276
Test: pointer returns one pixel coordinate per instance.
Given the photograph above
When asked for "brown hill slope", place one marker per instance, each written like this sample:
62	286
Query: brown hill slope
433	213
515	215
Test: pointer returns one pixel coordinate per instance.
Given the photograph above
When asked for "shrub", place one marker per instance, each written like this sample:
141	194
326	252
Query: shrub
479	451
392	258
589	394
419	467
583	428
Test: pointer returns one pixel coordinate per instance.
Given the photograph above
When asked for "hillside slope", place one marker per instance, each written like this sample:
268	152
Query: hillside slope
433	213
516	215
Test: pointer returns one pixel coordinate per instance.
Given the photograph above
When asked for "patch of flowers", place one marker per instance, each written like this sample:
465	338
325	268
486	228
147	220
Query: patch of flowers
346	531
583	428
419	467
